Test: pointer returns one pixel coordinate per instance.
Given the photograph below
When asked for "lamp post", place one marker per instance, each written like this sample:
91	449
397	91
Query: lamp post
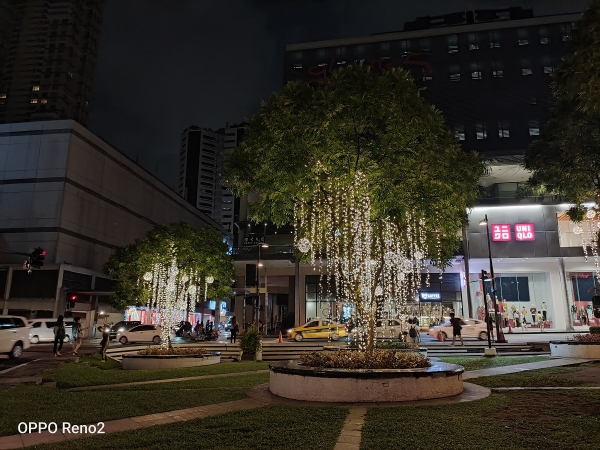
485	222
258	266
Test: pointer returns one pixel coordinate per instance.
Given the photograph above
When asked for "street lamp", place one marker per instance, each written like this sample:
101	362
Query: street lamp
258	266
485	222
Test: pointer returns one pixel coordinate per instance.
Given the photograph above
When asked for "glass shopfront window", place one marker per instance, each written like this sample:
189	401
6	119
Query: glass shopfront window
583	286
518	295
321	302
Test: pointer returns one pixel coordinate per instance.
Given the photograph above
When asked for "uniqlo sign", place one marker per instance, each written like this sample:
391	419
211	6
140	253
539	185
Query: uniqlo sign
524	232
501	232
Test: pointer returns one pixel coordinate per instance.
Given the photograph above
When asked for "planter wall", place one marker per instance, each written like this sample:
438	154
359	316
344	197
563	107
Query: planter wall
134	361
574	349
291	380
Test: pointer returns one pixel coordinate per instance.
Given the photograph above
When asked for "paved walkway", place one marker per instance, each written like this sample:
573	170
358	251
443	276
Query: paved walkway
349	438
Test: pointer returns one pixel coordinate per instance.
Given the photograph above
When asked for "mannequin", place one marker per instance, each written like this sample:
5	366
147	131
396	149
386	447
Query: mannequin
523	314
505	317
544	310
540	319
533	311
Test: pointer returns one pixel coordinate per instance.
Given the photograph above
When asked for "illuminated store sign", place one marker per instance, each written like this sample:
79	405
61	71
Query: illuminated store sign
430	296
501	232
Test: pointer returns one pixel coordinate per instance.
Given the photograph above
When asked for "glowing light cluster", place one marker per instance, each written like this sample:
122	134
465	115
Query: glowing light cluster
588	230
373	264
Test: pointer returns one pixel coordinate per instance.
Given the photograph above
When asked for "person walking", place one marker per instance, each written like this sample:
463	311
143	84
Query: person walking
105	342
59	335
413	333
490	326
235	328
456	327
77	334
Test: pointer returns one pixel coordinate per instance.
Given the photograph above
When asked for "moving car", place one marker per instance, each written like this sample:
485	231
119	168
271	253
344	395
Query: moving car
317	329
470	328
42	330
141	333
14	335
121	326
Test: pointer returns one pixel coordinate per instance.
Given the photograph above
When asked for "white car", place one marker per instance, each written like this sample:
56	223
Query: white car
14	335
470	328
42	330
389	329
141	333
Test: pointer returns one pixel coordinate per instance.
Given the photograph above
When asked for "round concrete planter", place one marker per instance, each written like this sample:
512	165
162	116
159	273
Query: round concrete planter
291	380
574	349
134	361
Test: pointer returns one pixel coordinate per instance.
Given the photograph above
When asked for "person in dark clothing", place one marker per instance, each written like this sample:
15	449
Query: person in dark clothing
59	335
490	326
456	327
105	342
235	328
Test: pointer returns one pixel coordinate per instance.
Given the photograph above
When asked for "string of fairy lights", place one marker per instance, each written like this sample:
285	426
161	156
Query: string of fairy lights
373	264
173	290
589	229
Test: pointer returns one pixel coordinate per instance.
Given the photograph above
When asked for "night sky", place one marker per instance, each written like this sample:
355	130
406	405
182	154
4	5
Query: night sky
166	64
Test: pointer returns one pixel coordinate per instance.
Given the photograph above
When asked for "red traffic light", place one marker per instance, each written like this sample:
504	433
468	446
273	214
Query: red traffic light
73	297
43	253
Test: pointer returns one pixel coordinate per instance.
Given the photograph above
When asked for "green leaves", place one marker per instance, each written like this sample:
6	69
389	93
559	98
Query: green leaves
200	250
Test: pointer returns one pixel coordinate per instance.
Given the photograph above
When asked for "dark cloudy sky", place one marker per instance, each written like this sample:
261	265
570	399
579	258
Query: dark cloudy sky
166	64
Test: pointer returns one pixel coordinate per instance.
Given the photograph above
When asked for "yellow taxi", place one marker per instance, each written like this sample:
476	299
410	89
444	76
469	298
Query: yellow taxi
317	329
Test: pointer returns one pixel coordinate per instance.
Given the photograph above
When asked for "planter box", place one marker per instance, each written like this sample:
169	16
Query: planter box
135	361
290	380
574	349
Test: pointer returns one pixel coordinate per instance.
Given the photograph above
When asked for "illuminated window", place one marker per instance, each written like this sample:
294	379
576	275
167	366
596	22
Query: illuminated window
44	101
460	132
498	73
35	88
298	66
548	69
534	128
455	77
476	75
473	46
503	131
544	40
2	95
453	43
526	72
494	39
523	42
453	49
480	130
34	100
473	41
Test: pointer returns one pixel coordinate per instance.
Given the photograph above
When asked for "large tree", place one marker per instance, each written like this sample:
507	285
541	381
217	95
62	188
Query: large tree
566	158
180	257
370	176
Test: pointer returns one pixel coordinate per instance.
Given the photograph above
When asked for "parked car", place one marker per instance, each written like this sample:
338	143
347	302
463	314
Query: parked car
141	333
470	328
42	330
389	329
317	329
14	335
121	326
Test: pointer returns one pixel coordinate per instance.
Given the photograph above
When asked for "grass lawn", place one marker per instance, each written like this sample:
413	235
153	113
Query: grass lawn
91	372
584	375
511	420
27	402
271	427
482	362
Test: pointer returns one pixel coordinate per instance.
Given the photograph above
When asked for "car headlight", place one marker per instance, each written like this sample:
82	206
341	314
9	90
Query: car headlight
291	330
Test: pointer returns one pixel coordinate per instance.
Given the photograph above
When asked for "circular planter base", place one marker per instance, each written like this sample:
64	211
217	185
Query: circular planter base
574	349
290	380
133	361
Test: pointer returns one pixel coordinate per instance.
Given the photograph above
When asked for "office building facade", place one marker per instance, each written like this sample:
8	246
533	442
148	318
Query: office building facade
48	52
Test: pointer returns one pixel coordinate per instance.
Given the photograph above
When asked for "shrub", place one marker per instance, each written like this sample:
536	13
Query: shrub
353	359
595	330
172	351
250	341
587	337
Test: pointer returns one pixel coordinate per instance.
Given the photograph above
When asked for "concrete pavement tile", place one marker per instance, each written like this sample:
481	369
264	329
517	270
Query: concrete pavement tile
114	426
41	438
10	442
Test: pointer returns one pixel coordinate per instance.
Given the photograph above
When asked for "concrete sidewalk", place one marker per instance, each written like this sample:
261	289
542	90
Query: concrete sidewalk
523	367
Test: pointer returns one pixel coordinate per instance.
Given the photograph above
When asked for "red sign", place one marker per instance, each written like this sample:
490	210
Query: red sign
524	232
501	232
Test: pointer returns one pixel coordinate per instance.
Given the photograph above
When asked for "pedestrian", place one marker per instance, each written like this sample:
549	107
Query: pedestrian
59	334
540	319
77	334
235	328
456	327
105	342
413	333
524	324
490	326
260	326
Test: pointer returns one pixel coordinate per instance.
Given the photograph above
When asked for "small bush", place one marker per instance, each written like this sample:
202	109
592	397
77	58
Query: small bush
587	337
353	359
250	341
595	330
154	351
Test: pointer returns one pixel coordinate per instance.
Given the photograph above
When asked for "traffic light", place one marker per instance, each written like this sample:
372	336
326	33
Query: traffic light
71	299
37	257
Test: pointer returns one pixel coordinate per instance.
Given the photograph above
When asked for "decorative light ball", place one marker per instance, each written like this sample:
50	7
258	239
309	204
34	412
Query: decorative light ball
378	291
577	229
147	277
590	214
210	280
303	245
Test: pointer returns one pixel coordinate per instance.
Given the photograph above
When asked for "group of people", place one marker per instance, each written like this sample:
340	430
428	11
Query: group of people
60	332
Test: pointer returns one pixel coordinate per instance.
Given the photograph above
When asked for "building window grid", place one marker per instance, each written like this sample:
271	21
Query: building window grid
460	132
534	128
503	130
480	131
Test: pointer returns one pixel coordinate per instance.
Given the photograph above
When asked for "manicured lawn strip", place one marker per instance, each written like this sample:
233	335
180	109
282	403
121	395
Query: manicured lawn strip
481	362
86	374
270	427
26	403
549	377
515	420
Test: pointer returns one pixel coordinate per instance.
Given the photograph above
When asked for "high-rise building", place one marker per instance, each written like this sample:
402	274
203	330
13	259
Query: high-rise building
201	171
48	51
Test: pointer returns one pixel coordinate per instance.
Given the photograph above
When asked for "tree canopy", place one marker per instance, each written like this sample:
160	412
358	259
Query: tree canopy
565	159
360	121
199	252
